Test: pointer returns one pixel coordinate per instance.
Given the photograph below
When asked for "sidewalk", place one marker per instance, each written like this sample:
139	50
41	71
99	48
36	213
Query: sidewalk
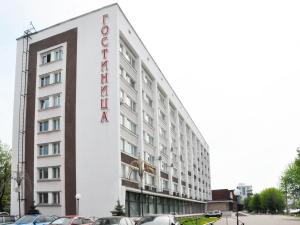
226	221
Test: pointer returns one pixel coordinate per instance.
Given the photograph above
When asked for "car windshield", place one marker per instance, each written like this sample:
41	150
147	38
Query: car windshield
62	221
152	220
26	219
107	221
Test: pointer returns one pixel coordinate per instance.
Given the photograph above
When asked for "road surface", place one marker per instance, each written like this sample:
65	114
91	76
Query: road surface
260	220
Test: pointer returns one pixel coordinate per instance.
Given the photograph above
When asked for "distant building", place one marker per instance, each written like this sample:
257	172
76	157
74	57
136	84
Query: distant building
222	199
246	190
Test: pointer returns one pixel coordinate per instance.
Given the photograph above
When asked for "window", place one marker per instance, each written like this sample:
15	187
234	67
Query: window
161	115
56	100
164	166
127	77
175	172
130	103
165	184
181	138
121	48
56	197
148	119
148	100
57	77
174	157
172	112
181	123
122	95
163	149
44	103
56	124
128	147
43	149
134	175
148	138
46	58
51	56
175	187
183	190
43	198
127	54
150	179
55	172
149	158
161	98
173	142
124	171
162	132
56	148
58	55
173	128
128	123
43	173
122	119
45	80
147	79
43	126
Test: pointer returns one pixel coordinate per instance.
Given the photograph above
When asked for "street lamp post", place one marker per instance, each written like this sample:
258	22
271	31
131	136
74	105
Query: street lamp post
140	165
237	194
77	197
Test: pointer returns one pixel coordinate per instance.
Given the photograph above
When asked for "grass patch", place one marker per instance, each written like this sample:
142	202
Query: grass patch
196	220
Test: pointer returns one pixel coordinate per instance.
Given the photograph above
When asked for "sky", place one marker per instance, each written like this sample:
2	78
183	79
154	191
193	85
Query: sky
235	65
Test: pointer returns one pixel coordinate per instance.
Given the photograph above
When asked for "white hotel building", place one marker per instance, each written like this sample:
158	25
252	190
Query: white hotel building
91	103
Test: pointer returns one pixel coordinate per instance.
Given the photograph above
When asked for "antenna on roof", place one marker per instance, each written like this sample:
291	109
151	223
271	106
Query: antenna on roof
32	27
29	31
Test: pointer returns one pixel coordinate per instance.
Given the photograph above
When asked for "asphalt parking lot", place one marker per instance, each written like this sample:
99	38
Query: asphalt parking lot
261	220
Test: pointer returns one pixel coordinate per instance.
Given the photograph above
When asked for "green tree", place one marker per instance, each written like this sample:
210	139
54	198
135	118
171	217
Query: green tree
119	210
290	181
272	200
246	203
5	176
255	203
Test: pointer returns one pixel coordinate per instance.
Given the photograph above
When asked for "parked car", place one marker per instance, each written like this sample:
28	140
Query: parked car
158	220
114	220
5	218
215	213
34	219
72	220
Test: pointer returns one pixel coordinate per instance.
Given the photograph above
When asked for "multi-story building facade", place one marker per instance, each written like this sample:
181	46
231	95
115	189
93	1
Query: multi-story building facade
101	121
245	190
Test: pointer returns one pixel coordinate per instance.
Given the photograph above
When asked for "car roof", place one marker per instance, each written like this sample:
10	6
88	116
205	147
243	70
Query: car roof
111	217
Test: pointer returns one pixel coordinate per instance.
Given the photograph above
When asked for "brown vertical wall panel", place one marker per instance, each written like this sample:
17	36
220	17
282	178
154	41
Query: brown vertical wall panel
70	37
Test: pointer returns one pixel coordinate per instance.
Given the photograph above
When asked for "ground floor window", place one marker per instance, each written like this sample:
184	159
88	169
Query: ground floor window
150	204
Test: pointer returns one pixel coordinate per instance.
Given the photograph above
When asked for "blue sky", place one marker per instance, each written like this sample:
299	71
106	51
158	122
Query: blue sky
234	65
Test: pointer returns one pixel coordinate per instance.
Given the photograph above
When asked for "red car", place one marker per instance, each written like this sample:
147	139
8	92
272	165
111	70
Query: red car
72	220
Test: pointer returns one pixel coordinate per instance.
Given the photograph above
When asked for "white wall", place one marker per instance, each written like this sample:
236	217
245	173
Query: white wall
97	144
